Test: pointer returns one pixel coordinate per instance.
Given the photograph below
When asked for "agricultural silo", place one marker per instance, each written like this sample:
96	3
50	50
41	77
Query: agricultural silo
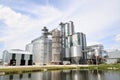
48	56
70	41
67	48
67	29
29	47
80	39
71	28
76	39
76	54
56	46
67	54
41	50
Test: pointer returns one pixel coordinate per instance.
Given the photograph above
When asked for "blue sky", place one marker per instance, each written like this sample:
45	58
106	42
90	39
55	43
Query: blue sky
22	20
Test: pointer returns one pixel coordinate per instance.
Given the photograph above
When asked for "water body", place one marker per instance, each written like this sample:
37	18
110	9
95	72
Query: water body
66	75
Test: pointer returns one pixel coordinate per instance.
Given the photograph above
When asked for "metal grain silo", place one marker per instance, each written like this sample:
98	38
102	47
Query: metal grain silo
41	50
38	50
67	51
29	47
67	29
67	54
70	41
76	54
82	40
48	56
76	39
71	28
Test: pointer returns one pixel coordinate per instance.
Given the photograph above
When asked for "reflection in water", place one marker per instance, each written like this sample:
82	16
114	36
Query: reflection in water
21	76
66	75
11	77
56	75
41	76
29	75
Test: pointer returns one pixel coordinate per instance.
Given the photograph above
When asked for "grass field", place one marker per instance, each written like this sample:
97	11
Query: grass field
35	68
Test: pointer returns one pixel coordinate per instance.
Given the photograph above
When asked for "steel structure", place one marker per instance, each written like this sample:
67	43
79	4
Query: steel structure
42	48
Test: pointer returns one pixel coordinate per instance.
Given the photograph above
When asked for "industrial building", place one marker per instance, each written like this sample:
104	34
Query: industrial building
16	57
41	48
95	54
60	45
65	45
73	44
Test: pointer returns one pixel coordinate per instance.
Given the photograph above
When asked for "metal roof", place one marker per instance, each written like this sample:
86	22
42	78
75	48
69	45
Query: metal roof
17	51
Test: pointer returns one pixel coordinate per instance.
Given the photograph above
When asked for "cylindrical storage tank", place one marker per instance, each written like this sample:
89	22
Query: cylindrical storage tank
76	54
29	47
49	51
70	41
76	39
67	53
67	29
42	50
84	41
38	51
71	28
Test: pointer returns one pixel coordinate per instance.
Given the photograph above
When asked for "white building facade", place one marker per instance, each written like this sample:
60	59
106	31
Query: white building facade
16	57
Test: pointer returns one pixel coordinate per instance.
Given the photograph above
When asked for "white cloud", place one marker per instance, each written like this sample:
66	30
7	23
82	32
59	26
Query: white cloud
117	38
93	43
96	18
18	26
90	17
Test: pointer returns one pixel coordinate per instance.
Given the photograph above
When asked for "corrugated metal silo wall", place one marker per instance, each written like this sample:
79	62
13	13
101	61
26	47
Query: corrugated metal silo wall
71	28
76	54
38	51
29	47
48	51
42	51
67	29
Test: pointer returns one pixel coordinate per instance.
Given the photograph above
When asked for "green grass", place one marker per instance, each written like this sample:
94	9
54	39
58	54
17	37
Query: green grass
66	67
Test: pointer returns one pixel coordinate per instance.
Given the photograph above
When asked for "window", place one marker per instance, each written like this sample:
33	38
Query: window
22	56
13	56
